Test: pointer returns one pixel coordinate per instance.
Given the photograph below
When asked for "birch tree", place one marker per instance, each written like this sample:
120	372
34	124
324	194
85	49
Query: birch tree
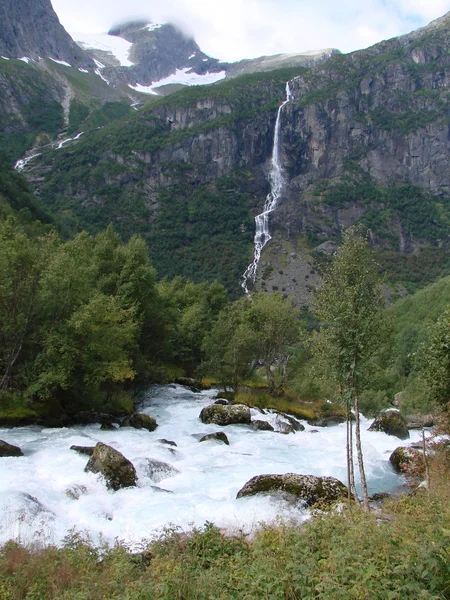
350	308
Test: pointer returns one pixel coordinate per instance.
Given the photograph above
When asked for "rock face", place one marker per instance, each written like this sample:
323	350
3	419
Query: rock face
9	450
31	28
219	436
115	468
226	415
308	488
391	422
140	421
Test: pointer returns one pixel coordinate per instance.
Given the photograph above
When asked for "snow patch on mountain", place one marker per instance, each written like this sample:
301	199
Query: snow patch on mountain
153	26
60	62
116	46
181	77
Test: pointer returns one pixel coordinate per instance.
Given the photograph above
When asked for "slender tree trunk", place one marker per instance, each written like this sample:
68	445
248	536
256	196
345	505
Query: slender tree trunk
347	422
352	464
425	460
362	474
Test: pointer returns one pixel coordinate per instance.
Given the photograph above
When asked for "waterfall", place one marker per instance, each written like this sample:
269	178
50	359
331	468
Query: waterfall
276	180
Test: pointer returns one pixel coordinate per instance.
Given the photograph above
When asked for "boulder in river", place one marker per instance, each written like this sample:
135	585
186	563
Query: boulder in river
329	421
308	488
86	417
283	427
391	422
262	425
9	450
219	436
140	421
402	457
226	415
115	468
168	442
293	422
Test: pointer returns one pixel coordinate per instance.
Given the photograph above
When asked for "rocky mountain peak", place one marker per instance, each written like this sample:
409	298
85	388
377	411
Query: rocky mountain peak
31	28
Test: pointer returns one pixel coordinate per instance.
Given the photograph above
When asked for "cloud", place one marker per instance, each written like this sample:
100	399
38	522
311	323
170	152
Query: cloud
248	28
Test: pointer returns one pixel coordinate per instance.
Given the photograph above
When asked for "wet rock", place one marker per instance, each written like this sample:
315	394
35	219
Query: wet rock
222	402
140	421
117	470
9	450
262	425
296	425
283	427
107	427
226	415
87	450
402	457
420	420
91	417
158	470
168	442
219	436
391	422
308	488
314	431
76	491
328	421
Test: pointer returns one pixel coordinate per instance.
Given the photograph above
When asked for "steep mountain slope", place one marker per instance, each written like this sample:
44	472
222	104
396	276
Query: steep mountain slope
363	139
32	29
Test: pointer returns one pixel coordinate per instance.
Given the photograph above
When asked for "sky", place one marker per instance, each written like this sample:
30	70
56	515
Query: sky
235	29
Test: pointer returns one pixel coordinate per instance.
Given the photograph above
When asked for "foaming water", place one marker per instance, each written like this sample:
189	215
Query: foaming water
35	506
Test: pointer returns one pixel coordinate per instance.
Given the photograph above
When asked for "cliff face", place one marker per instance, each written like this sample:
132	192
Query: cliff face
31	28
365	139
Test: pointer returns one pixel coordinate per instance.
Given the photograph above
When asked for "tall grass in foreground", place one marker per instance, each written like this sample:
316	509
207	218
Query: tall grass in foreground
403	554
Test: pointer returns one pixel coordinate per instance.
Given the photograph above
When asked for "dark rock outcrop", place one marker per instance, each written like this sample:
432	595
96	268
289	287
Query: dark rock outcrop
329	421
117	470
86	417
140	421
307	488
219	436
392	422
167	442
226	415
9	450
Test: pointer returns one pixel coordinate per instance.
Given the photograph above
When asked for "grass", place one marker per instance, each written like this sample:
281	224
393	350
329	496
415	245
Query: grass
349	555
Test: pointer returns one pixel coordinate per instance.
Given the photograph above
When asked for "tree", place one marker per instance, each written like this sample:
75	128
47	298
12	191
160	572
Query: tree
350	308
274	322
434	360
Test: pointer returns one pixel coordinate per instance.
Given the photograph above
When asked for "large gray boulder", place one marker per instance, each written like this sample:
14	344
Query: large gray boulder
157	470
226	415
262	425
9	450
308	488
117	470
391	422
140	421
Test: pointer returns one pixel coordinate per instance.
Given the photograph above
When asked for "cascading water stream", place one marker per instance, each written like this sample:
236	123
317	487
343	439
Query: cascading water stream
276	179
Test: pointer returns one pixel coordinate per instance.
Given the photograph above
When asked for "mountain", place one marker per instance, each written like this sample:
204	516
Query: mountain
31	28
364	138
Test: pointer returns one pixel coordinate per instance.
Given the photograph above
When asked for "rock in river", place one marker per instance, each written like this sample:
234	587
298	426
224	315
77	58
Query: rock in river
308	488
140	421
9	450
226	415
391	422
219	436
115	468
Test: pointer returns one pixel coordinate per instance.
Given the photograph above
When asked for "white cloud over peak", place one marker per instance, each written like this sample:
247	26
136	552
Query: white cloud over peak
248	28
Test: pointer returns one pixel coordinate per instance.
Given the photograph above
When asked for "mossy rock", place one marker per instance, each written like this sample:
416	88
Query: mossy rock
308	488
219	436
8	450
140	421
117	470
391	421
402	457
226	415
